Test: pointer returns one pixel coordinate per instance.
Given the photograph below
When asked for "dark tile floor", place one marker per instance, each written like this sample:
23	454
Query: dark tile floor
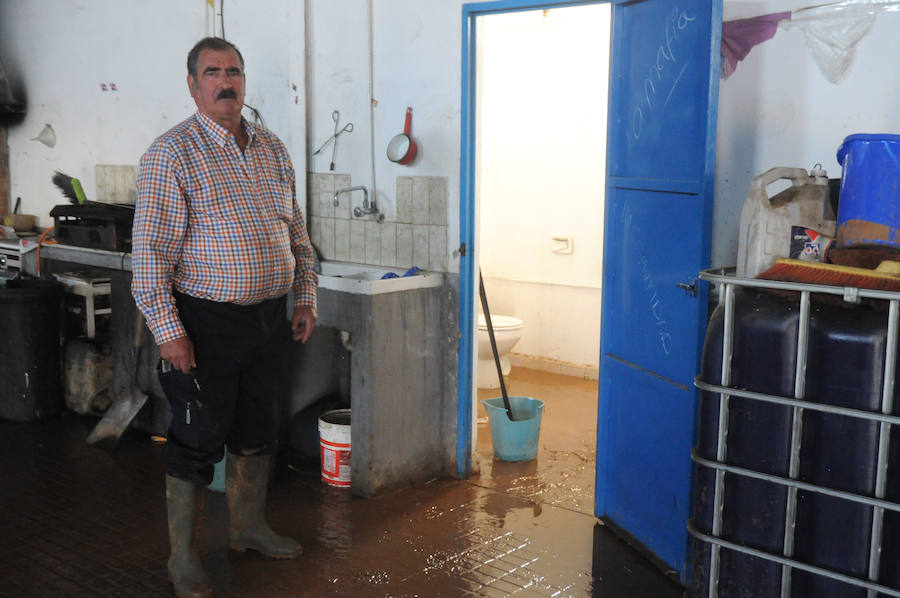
77	521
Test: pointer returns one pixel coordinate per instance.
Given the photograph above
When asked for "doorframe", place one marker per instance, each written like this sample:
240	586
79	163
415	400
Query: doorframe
468	270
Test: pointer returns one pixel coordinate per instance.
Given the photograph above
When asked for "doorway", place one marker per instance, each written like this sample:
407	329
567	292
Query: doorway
541	103
659	197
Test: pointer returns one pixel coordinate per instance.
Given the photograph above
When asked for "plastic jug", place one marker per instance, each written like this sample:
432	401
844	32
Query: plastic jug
766	222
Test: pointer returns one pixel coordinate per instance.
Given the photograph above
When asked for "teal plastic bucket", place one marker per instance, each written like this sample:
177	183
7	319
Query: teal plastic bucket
515	440
869	208
218	481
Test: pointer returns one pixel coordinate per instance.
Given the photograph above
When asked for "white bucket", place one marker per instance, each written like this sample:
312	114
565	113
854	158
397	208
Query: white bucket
334	447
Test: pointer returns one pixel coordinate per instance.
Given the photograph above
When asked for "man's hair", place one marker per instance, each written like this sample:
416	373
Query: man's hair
209	43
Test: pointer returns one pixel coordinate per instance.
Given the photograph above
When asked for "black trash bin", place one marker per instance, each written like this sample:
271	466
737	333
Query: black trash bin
30	384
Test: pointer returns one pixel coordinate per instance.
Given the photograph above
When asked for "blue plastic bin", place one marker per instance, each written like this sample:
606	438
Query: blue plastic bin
869	208
515	440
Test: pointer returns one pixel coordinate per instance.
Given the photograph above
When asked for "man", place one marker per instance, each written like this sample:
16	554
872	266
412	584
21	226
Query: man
218	242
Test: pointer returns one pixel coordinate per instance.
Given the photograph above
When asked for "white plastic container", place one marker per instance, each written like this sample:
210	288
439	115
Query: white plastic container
766	222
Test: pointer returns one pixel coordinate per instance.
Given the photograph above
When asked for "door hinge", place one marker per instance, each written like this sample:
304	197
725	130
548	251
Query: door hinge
689	288
461	252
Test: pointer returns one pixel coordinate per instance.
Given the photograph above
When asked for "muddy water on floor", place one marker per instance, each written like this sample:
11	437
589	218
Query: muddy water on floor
89	524
563	473
446	538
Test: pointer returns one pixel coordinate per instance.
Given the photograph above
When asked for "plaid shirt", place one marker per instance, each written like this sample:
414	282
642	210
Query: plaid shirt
215	223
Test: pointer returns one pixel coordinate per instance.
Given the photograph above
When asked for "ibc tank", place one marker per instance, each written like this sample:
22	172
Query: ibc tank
845	367
29	349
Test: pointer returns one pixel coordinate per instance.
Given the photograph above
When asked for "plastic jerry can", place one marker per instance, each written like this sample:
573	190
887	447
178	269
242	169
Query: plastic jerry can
766	222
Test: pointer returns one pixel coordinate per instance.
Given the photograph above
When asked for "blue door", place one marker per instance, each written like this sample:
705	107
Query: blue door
661	152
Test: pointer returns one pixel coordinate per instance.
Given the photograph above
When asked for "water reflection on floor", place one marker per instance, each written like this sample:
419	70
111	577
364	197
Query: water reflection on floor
563	473
80	522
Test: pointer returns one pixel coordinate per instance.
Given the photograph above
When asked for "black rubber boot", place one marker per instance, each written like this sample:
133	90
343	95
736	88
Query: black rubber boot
246	479
185	570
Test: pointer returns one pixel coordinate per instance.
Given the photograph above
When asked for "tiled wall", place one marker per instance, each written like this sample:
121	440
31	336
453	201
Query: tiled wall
416	237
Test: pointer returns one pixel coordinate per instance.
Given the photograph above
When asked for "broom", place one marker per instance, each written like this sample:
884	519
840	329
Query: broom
886	277
71	188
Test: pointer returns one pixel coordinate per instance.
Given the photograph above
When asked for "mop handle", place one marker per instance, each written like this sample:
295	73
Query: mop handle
487	317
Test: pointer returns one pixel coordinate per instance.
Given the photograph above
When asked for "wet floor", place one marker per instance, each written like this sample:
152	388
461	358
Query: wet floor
563	473
76	521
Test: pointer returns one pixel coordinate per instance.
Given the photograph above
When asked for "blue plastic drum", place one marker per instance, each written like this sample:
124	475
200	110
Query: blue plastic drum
869	209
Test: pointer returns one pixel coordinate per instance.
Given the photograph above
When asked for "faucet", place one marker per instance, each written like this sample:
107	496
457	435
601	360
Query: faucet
366	208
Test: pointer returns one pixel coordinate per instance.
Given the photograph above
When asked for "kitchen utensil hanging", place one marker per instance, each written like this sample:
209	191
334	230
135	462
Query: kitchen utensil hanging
402	149
335	116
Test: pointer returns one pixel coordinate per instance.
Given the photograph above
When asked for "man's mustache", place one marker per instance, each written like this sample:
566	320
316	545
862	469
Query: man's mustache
226	94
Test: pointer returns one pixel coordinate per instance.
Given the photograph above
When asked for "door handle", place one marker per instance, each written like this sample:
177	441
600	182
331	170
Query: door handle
689	288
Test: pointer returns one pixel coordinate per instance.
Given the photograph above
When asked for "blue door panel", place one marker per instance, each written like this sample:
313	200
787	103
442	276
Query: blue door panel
661	91
661	331
644	415
660	164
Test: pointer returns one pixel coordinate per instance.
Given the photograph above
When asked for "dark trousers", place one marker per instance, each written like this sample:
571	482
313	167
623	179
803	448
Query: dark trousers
231	396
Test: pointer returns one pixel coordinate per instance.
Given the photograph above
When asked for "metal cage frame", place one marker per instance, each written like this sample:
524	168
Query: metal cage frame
727	283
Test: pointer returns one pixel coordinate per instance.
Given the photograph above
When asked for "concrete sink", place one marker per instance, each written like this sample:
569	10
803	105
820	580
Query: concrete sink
396	370
363	279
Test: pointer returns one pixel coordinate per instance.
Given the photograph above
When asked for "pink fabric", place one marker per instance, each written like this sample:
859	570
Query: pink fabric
739	36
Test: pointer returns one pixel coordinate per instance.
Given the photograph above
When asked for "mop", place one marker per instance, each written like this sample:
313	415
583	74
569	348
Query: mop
490	327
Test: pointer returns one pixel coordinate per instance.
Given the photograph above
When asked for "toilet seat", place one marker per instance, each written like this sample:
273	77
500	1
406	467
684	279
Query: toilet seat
499	322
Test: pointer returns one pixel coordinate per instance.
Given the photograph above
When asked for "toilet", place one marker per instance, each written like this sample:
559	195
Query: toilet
507	331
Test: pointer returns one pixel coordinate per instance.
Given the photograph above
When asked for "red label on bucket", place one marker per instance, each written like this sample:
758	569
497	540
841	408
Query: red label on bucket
335	463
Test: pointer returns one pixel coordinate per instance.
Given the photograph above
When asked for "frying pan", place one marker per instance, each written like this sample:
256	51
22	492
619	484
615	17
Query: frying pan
402	149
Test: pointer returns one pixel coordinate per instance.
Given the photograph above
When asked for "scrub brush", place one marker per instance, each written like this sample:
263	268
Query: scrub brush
71	187
886	277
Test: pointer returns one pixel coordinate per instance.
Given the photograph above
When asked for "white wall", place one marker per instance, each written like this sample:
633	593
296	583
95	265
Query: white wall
541	169
416	49
778	109
542	106
561	323
64	51
337	78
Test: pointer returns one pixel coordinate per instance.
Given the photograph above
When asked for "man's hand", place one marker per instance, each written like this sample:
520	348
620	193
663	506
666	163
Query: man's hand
303	323
180	353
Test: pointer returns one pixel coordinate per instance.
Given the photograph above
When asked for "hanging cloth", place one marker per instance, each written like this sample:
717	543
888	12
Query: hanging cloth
833	30
741	35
